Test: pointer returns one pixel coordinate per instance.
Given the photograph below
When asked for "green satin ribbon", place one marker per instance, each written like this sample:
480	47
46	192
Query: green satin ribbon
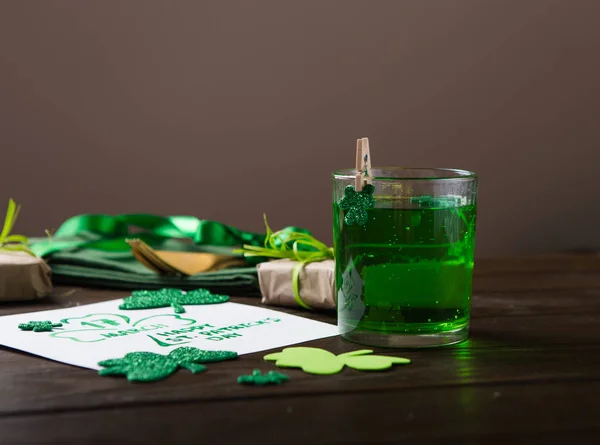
108	233
298	246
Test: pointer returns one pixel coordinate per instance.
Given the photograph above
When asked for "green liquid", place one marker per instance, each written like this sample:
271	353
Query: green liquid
408	270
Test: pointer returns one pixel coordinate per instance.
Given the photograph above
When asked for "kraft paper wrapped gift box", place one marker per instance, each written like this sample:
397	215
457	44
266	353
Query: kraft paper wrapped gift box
23	277
317	283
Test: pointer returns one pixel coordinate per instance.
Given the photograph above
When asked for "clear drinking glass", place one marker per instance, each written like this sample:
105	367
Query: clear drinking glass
404	278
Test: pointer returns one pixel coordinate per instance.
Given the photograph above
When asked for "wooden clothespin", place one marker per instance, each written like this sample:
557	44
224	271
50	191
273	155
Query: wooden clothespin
363	164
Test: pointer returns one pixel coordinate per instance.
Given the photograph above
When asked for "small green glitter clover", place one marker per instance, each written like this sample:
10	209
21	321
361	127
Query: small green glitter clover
39	326
356	204
270	378
150	367
149	299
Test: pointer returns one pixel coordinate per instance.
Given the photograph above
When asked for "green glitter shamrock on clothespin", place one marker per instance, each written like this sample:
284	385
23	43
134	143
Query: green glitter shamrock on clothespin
320	361
270	378
149	299
355	204
359	197
39	326
150	367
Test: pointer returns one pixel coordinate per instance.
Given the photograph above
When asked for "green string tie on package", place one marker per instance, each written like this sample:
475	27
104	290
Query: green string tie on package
13	243
288	244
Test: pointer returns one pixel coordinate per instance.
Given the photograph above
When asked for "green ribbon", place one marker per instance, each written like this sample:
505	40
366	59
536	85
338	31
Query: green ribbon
108	233
298	246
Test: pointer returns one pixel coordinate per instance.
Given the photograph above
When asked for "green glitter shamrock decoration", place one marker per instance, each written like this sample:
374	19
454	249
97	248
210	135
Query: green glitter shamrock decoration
150	367
355	204
39	326
149	299
270	378
320	361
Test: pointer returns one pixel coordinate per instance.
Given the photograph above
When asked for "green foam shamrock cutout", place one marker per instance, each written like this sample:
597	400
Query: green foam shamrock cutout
355	204
39	326
149	367
270	378
149	299
320	361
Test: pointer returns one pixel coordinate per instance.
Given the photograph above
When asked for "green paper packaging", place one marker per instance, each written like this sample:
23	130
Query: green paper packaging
316	283
23	277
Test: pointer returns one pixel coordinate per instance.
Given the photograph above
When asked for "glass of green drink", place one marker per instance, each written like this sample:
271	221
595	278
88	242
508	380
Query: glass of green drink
403	277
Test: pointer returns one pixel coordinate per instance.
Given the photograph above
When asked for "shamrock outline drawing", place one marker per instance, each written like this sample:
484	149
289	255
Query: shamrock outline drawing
107	323
352	287
322	362
355	204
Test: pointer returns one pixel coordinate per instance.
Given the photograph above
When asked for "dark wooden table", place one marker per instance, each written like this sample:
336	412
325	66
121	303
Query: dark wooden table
530	373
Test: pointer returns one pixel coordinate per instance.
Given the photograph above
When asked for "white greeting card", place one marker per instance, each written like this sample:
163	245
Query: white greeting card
100	331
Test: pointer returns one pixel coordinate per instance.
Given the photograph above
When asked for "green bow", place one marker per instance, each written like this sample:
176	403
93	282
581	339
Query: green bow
296	246
13	243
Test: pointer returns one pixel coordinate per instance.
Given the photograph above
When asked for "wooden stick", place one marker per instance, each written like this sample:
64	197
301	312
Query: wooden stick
363	164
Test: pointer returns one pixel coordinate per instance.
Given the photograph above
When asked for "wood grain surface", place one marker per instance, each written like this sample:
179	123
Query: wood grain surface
529	373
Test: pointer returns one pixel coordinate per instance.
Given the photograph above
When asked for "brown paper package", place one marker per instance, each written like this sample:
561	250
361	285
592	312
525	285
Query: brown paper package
317	283
23	277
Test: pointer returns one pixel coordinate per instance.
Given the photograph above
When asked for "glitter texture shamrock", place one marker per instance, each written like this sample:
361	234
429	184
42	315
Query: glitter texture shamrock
39	326
150	367
148	299
270	378
355	204
320	361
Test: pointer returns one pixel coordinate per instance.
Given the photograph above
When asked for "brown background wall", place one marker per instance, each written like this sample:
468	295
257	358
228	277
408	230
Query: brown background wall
226	110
